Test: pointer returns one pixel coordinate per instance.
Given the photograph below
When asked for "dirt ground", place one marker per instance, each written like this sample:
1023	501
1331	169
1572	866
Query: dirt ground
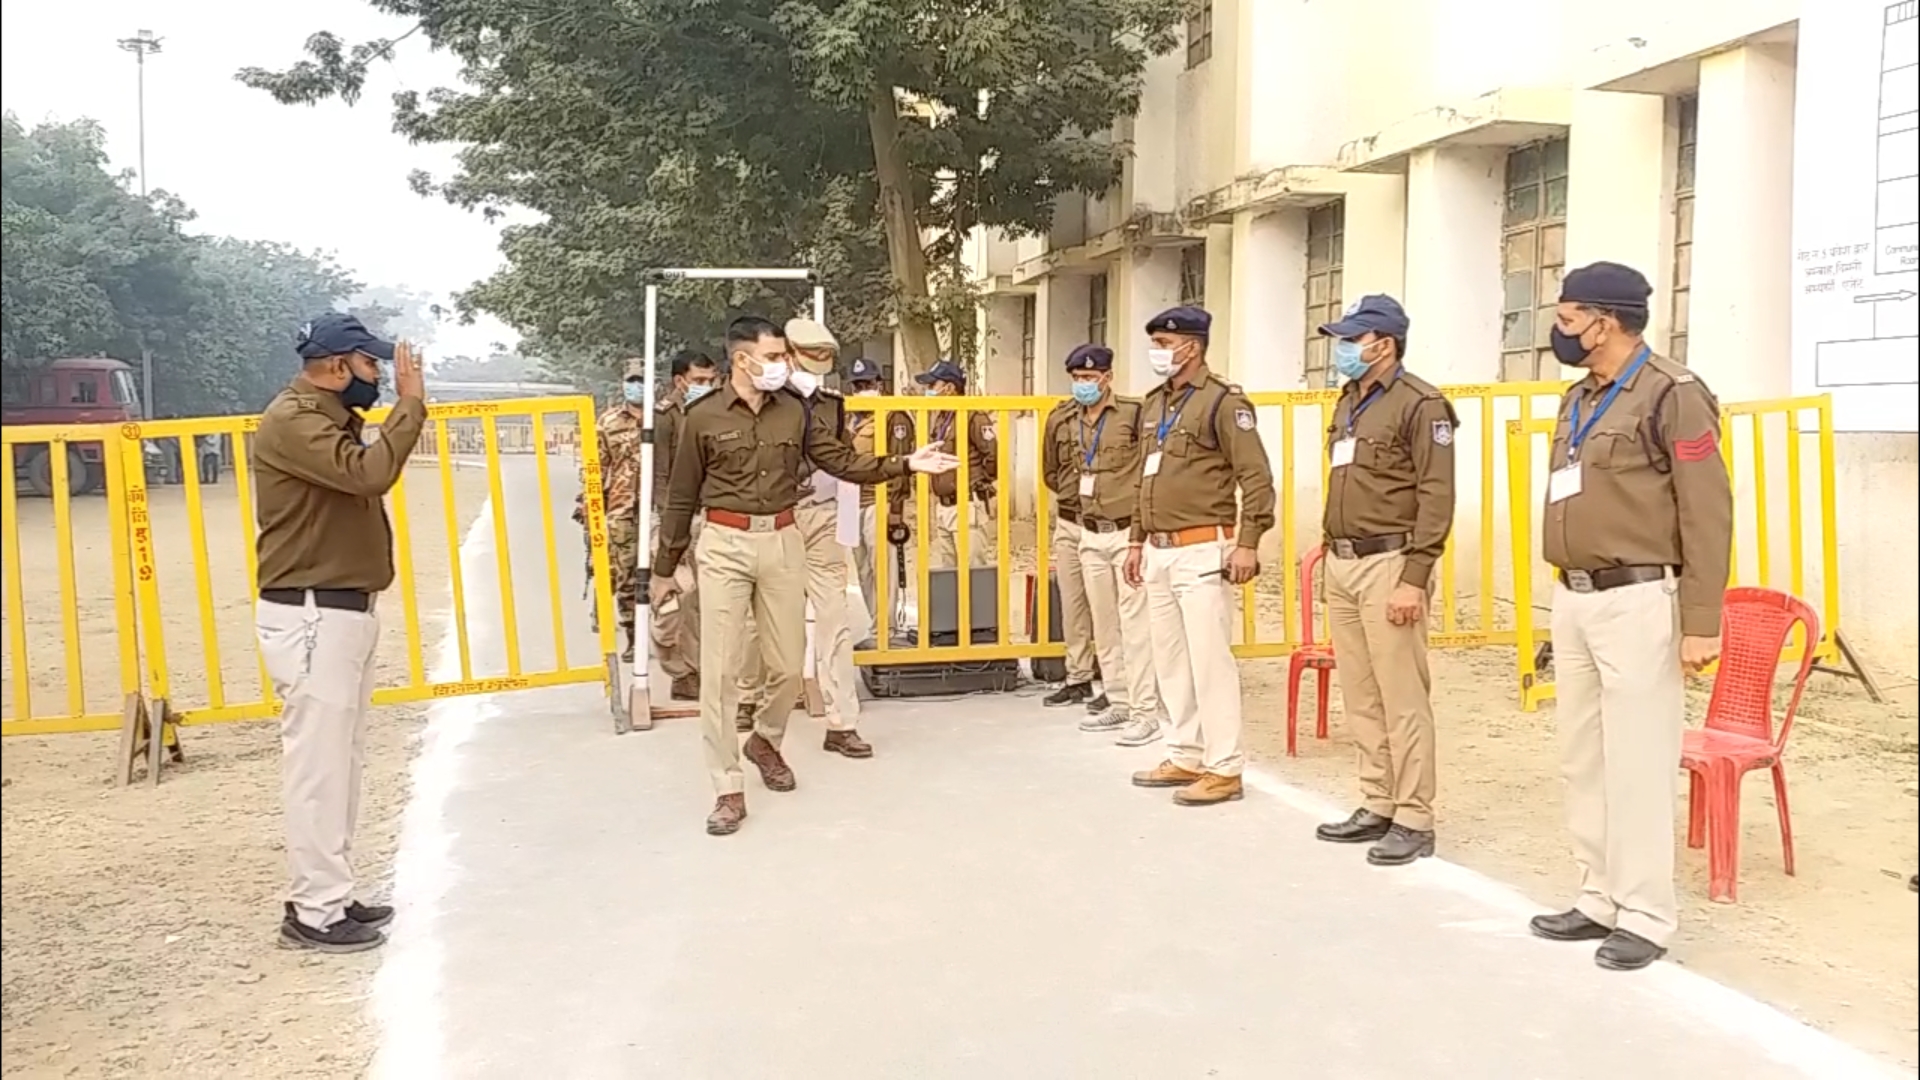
138	924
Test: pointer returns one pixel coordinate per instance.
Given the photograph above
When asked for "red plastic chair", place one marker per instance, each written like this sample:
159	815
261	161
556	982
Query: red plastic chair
1309	654
1739	736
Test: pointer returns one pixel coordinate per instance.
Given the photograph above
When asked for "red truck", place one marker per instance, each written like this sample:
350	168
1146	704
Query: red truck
76	390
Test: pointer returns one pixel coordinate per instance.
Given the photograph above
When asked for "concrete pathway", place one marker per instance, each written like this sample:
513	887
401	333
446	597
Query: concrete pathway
988	899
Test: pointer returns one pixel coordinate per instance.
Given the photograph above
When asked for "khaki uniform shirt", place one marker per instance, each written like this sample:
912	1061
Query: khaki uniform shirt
666	428
1654	490
1110	433
733	458
860	432
620	431
1212	445
1400	478
323	521
983	455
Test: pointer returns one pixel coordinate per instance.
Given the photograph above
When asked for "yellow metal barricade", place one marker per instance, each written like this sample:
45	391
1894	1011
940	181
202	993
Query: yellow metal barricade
1784	534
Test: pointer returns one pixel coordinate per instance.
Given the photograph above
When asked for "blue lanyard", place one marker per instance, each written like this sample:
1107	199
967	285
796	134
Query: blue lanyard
1368	399
1168	419
1087	452
943	427
1578	430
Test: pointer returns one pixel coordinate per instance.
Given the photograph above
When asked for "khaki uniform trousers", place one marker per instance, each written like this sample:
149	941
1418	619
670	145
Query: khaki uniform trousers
864	564
1076	618
1191	620
1385	688
321	663
676	635
1621	708
943	551
1121	632
762	577
826	586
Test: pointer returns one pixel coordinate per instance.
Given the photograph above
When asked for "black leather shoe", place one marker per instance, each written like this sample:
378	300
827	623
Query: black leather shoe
1400	846
1364	827
1072	693
372	915
1098	705
1567	926
1625	950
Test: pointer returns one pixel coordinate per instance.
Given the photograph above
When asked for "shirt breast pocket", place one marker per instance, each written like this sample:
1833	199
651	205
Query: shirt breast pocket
1614	450
1183	444
790	454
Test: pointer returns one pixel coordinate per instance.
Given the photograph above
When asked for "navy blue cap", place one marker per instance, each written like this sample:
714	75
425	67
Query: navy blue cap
1376	313
863	370
336	334
1090	358
1185	319
944	371
1606	285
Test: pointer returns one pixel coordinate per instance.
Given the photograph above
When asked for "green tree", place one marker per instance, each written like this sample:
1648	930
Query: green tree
804	122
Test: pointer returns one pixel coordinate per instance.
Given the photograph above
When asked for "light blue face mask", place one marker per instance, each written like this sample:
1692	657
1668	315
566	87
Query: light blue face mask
636	393
1086	393
696	391
1347	359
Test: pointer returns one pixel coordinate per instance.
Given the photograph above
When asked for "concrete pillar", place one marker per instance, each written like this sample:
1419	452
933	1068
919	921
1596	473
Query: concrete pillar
1265	334
1620	190
1060	324
1454	203
1376	236
1144	282
1738	337
1001	326
1221	294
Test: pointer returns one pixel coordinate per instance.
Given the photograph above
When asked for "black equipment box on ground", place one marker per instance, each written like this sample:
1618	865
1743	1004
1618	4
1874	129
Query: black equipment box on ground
945	678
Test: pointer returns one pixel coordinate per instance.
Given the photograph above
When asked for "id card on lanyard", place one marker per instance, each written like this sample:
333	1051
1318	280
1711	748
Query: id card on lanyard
1087	452
1167	421
1566	481
1340	454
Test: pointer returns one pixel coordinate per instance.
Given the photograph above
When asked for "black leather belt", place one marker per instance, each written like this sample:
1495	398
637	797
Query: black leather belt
1103	525
331	599
1363	546
1612	577
1067	515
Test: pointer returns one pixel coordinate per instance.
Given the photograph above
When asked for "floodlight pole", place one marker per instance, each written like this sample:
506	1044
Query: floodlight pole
638	702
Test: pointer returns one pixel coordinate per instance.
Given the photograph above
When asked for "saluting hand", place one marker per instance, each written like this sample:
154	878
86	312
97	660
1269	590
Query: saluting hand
1698	653
931	459
662	589
408	379
1130	569
1243	565
1407	605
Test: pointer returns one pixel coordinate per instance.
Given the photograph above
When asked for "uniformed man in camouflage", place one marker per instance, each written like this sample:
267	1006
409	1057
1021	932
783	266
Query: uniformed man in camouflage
1639	528
1389	509
1193	543
742	457
675	628
950	512
620	429
325	553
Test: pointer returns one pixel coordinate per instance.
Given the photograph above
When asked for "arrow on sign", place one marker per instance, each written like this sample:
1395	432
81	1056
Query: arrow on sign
1875	298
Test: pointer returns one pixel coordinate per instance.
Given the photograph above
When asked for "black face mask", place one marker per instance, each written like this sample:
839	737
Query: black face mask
360	394
1568	349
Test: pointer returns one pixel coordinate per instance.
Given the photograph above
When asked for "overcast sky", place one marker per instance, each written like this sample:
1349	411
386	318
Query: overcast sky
331	177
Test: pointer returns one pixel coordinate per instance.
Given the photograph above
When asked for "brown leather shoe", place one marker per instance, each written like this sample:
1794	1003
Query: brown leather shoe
728	812
848	744
687	688
773	768
1165	774
1209	790
743	721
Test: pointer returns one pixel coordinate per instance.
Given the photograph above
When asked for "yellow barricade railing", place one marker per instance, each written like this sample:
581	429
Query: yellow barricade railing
1018	536
1784	534
183	565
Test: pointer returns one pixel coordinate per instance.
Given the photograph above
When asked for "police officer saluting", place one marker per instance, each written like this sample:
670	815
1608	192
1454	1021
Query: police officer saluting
1639	526
1389	509
743	454
325	554
1191	544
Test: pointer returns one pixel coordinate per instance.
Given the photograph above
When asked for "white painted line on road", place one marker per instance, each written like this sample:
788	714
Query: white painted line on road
407	1000
1813	1052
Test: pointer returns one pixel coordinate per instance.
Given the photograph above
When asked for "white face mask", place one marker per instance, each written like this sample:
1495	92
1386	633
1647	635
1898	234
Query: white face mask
866	393
772	376
804	382
1161	361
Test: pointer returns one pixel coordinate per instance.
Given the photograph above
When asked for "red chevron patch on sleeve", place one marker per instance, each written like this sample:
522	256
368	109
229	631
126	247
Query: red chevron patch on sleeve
1697	449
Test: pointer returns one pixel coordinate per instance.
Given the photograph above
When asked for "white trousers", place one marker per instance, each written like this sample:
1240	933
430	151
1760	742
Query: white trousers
1191	617
1121	632
321	662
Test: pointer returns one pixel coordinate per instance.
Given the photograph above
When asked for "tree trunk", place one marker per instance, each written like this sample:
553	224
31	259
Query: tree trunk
905	255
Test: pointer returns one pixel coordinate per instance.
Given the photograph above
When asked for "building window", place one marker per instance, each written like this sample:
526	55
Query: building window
1029	318
1689	124
1200	34
85	392
1533	256
1097	309
1326	250
1193	275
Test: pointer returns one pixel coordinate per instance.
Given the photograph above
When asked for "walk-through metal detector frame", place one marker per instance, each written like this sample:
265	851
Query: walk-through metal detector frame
640	711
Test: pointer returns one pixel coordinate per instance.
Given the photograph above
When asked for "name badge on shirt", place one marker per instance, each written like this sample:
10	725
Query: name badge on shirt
1152	467
1086	485
1564	484
1342	453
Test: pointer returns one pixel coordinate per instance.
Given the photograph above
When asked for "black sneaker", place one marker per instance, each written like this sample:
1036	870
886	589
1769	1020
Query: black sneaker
1070	694
1099	705
345	936
372	916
